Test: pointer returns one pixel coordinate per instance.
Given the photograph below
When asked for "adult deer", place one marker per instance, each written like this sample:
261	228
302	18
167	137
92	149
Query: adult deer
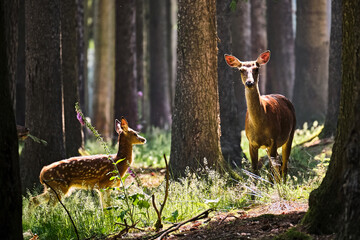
270	119
89	172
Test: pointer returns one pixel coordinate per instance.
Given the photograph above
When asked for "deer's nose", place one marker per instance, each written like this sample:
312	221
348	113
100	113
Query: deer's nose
249	83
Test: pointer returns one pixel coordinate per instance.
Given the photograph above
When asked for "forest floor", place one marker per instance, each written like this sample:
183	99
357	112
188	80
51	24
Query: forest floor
268	221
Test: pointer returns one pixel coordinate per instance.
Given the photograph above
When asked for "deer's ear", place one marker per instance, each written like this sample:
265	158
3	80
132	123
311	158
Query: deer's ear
263	58
118	126
124	124
232	61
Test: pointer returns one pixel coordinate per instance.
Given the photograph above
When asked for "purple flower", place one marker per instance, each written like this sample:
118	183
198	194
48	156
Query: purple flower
79	117
140	93
131	172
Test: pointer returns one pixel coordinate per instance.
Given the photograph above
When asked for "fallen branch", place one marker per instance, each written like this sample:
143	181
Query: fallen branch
160	235
68	213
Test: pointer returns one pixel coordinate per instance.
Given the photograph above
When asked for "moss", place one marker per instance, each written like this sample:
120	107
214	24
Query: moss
293	234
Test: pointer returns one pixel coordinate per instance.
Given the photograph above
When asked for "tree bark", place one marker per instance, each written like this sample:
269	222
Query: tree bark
104	72
10	201
241	41
259	42
70	76
335	71
281	70
229	116
125	66
195	129
312	57
20	71
43	89
160	113
333	207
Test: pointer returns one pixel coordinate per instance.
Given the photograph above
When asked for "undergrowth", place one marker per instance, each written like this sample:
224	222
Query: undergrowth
187	196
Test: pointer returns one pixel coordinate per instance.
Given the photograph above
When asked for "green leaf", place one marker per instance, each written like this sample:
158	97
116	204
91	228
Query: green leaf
143	204
114	178
120	160
122	215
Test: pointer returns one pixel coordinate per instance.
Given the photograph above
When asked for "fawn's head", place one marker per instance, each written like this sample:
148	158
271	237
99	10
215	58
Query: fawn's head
249	70
127	134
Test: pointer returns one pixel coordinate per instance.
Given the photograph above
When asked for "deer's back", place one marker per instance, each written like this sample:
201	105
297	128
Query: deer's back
78	170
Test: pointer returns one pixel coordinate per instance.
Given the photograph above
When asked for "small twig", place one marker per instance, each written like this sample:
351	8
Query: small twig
68	213
158	224
174	227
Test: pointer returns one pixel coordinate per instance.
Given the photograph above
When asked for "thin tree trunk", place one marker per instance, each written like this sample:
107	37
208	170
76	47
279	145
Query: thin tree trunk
312	57
241	41
125	66
335	70
281	69
259	42
229	116
160	115
104	67
43	89
73	138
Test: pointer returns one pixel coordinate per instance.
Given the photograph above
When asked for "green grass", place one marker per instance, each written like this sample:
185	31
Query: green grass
187	197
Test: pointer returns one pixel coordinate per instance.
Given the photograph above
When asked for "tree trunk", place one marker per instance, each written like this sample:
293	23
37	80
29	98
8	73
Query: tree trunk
11	11
160	114
312	57
335	71
43	89
259	42
70	80
333	207
281	69
20	71
241	45
229	116
104	72
125	73
195	130
10	191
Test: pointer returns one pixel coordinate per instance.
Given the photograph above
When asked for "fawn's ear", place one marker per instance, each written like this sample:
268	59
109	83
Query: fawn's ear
118	126
232	61
124	124
263	58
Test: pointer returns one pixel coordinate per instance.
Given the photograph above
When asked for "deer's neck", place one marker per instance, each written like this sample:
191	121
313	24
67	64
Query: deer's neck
254	106
124	152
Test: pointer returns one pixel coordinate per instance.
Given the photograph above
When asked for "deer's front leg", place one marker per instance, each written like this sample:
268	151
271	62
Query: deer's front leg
254	158
273	161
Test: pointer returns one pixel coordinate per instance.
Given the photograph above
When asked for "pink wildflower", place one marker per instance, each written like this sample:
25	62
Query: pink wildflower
81	120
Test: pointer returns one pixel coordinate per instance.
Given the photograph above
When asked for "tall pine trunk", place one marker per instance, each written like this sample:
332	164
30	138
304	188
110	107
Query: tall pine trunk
281	68
335	70
43	89
241	47
229	115
10	201
195	130
160	112
104	72
312	57
70	67
125	64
